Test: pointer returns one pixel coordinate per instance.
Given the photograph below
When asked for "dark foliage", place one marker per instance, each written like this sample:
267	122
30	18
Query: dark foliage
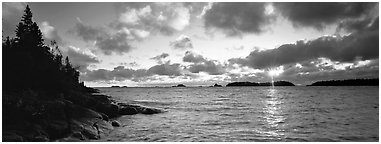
37	82
349	82
277	83
30	64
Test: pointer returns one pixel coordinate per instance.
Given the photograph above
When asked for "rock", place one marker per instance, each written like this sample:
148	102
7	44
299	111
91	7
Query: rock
115	123
41	138
77	111
102	98
128	111
90	132
150	111
57	128
12	137
78	135
104	128
104	116
111	110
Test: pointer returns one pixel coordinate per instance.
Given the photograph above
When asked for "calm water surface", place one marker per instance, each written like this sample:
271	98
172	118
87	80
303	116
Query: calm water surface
250	114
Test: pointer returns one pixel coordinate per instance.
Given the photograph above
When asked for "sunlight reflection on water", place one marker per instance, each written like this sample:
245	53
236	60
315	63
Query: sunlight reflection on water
273	114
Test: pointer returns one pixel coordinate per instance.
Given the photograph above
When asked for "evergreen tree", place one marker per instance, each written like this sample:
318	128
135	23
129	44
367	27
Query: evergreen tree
30	64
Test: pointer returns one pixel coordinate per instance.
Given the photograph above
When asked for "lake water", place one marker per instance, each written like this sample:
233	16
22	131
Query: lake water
250	114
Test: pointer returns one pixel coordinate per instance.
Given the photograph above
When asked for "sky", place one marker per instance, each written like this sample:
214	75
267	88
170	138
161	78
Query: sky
203	43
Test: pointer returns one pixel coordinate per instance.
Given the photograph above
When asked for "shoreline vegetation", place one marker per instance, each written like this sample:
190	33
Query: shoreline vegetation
43	99
348	82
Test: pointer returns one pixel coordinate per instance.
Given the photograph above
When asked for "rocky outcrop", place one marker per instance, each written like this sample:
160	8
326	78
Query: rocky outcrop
64	120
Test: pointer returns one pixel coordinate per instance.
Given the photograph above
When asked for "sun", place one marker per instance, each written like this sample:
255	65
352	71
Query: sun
275	71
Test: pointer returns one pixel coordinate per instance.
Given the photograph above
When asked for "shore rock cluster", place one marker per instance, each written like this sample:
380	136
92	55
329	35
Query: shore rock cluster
68	120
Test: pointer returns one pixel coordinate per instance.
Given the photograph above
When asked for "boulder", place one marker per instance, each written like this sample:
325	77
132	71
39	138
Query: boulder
78	135
57	128
104	116
41	138
102	98
128	111
110	109
90	132
150	111
115	123
77	111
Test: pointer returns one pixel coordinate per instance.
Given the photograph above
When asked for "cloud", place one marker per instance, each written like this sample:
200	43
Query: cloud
131	64
160	58
193	58
164	18
201	64
97	75
323	69
166	69
236	19
80	58
87	32
49	32
360	45
182	42
318	15
209	67
11	13
117	43
121	73
108	43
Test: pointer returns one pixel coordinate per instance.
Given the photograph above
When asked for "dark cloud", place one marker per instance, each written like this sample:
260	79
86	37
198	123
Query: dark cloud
11	13
80	58
114	43
319	14
107	43
87	32
209	67
160	58
359	25
309	71
315	70
182	42
235	19
201	64
121	73
360	45
166	69
193	58
97	75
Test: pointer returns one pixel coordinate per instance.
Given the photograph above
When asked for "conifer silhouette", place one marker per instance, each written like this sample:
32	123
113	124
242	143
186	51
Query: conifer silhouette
30	64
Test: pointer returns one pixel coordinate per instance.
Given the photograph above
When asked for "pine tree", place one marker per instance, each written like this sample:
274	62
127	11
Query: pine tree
30	64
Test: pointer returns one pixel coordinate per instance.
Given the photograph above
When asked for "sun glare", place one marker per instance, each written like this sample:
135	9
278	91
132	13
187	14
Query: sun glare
276	71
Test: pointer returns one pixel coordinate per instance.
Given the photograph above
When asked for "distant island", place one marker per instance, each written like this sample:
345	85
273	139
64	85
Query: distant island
348	82
179	85
277	83
115	86
216	85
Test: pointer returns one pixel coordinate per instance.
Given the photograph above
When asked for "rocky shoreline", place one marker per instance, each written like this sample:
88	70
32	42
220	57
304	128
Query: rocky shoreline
68	120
